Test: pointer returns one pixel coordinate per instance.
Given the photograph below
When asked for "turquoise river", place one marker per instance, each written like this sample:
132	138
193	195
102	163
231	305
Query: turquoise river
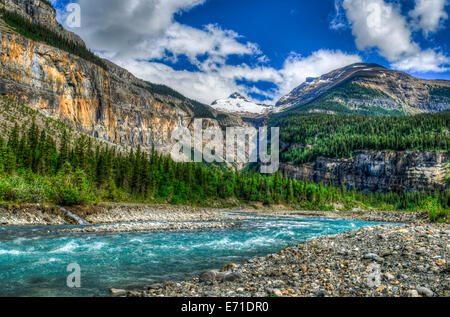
34	262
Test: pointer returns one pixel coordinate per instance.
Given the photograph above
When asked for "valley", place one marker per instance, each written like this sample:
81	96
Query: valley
363	180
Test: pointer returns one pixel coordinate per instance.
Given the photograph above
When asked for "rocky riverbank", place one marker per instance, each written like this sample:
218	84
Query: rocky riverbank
121	214
357	214
109	217
384	261
151	226
109	213
33	214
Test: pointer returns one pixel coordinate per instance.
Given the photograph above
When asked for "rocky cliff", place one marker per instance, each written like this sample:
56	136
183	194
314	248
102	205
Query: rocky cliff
378	171
107	103
41	13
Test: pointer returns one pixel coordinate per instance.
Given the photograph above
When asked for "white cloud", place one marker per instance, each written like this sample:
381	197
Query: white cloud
202	86
184	40
338	21
424	61
429	15
140	35
297	68
207	86
120	26
146	29
378	24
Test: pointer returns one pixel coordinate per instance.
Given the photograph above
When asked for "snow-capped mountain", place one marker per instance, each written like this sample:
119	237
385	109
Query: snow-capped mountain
237	103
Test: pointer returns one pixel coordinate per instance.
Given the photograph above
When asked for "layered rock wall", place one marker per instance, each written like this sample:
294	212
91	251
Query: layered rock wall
378	171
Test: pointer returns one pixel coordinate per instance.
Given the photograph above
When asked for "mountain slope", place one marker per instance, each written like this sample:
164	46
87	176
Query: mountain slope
366	128
368	89
366	153
104	101
41	13
236	103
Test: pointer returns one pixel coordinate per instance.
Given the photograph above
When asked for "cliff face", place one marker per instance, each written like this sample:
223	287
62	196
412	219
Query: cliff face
377	171
39	12
110	104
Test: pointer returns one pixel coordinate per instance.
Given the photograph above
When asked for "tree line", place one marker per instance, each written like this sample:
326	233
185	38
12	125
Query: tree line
309	136
76	170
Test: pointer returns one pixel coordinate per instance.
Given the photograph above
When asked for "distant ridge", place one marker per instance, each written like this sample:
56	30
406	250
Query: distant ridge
368	89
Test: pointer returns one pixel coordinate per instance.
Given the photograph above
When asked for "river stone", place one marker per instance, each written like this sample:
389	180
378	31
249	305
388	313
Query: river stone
412	293
231	277
229	267
220	276
371	256
116	291
425	291
322	293
275	292
208	276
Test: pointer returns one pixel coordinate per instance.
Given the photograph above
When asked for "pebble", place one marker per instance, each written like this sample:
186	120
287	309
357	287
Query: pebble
209	276
425	291
276	292
115	291
318	268
371	256
412	293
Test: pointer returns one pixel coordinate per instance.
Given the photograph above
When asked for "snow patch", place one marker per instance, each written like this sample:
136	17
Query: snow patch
237	103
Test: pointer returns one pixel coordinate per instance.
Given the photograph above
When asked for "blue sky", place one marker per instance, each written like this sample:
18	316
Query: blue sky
207	49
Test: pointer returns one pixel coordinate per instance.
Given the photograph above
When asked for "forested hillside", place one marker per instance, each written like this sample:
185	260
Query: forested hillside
37	32
309	136
42	160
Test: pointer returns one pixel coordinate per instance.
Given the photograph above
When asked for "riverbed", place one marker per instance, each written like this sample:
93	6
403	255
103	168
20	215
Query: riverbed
34	259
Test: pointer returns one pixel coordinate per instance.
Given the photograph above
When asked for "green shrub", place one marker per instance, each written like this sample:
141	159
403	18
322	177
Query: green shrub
71	188
16	188
435	210
111	193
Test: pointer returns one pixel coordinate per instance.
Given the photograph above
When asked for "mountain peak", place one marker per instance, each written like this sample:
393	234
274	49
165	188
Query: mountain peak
237	103
237	95
366	65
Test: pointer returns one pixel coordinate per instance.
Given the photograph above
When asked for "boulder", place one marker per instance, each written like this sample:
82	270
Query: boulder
425	292
208	276
231	277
